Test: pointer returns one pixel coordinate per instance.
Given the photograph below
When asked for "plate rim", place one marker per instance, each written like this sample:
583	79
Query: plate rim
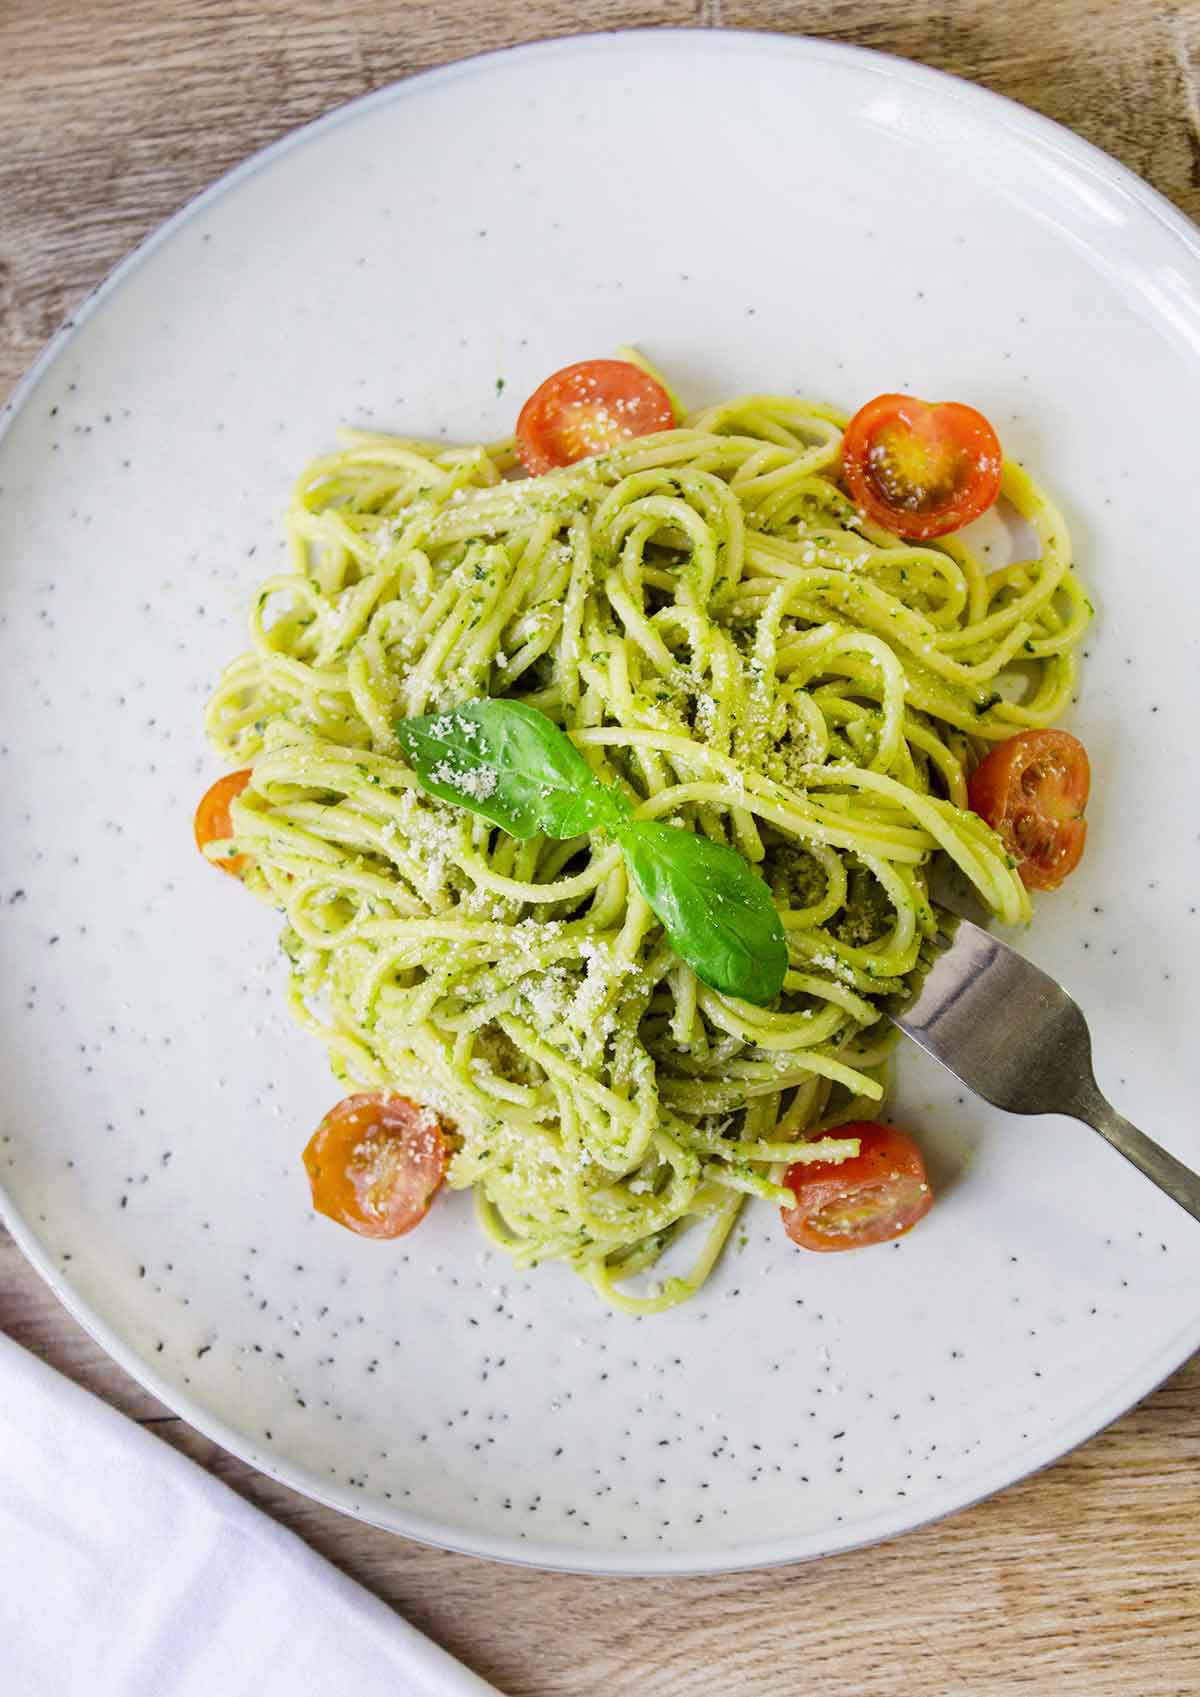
991	107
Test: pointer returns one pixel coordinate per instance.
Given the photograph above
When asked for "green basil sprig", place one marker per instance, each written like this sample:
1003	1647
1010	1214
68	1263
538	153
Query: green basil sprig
511	764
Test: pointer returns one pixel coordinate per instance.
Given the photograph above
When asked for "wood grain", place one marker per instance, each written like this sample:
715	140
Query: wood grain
1085	1579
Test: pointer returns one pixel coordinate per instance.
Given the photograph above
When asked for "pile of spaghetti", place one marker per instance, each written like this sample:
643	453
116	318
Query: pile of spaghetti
726	638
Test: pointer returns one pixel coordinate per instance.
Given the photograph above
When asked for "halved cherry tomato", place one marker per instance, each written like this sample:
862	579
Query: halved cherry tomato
877	1195
375	1163
918	469
587	408
1032	790
212	823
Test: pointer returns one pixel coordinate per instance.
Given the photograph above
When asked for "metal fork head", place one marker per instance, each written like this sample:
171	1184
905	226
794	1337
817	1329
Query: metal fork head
1002	1025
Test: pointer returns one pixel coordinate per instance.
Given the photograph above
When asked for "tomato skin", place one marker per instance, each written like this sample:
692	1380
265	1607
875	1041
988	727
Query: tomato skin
212	823
587	408
878	1195
1032	789
375	1163
921	469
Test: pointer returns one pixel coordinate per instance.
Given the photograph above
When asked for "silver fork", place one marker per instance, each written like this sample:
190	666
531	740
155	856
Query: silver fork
1015	1037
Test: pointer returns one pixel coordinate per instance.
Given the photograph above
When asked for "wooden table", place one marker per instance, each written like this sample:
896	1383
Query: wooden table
1085	1579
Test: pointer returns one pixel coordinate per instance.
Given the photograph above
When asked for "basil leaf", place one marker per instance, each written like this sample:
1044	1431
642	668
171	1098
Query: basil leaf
513	765
716	910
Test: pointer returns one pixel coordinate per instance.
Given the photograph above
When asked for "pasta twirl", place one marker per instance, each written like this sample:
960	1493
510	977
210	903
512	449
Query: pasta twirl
727	639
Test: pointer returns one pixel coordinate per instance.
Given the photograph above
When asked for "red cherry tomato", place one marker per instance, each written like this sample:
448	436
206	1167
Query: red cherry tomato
375	1163
212	823
587	408
1033	790
921	470
877	1195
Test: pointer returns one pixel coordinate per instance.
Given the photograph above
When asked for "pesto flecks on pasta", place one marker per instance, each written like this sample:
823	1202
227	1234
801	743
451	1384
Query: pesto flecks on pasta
734	648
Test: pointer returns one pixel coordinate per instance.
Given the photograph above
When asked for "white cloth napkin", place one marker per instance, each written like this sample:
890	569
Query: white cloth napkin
126	1571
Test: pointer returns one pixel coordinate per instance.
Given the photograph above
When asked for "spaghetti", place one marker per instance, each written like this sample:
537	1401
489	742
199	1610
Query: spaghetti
727	640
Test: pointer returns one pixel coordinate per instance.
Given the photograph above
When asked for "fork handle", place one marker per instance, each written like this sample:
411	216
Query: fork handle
1181	1184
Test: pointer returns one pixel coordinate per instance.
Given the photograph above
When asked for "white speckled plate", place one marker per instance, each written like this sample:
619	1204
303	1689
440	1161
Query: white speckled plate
758	213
